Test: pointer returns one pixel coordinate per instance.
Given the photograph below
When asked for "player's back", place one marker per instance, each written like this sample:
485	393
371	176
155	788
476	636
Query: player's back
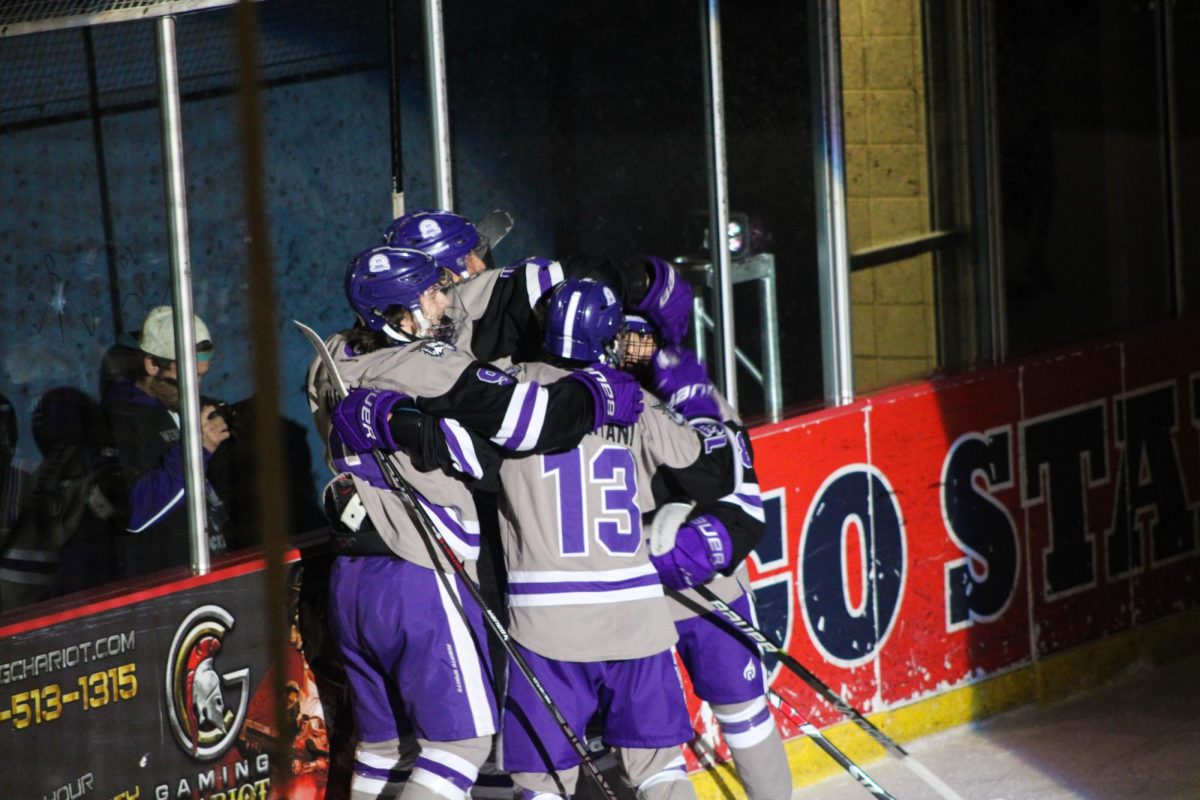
421	368
581	585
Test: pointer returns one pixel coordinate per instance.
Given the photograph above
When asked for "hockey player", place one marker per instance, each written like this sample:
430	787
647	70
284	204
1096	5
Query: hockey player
494	311
725	668
413	641
586	605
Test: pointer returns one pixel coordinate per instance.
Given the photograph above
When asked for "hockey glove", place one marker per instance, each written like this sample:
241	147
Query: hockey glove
617	395
681	380
360	465
668	301
361	418
702	547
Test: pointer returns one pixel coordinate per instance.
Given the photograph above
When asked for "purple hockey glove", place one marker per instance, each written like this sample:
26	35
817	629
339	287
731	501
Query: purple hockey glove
683	383
358	464
361	419
668	301
617	395
702	547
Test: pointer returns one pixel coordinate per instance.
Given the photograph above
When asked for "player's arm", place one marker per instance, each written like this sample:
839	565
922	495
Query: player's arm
717	533
389	422
529	417
521	417
508	327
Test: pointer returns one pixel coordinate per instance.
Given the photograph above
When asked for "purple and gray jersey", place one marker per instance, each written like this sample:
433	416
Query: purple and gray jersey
493	312
580	582
445	382
741	512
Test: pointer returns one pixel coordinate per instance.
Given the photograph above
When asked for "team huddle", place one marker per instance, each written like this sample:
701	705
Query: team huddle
622	480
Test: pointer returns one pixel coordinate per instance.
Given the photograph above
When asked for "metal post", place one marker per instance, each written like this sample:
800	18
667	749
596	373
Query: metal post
181	294
439	109
833	251
986	213
394	106
718	199
772	383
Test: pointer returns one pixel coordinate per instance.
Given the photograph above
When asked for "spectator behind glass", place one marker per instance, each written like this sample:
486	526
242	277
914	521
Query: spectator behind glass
63	539
9	485
143	409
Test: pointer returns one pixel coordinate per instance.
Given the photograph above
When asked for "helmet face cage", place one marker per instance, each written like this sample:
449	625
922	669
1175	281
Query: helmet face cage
448	237
382	277
584	321
639	342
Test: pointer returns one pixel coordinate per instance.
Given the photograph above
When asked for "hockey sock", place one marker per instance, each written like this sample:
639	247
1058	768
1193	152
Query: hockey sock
757	749
447	770
658	774
381	769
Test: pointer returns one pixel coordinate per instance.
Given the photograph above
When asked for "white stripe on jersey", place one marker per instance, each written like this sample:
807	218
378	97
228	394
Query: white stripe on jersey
540	278
467	656
467	548
747	498
528	402
585	598
575	576
463	439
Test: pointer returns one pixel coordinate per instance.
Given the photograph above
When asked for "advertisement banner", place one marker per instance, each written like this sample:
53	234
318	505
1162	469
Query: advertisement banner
167	695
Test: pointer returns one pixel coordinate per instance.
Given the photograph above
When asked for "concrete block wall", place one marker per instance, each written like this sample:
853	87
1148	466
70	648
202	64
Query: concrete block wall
892	306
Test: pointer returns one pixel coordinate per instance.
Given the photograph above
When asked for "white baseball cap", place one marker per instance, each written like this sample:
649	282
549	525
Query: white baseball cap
157	337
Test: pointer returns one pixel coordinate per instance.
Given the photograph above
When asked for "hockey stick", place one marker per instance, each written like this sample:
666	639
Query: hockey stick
428	530
811	731
833	698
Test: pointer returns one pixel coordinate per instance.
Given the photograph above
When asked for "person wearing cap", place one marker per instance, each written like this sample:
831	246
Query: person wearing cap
143	409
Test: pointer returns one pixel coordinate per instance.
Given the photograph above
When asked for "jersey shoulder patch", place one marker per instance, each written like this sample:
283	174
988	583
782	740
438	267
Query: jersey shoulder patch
496	376
436	349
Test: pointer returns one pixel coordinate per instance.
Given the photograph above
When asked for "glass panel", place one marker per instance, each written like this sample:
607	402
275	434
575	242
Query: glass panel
1081	169
768	122
602	148
324	99
86	258
67	153
592	147
887	188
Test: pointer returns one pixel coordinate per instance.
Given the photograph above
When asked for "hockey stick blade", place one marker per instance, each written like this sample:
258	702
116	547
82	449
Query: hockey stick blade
326	357
494	227
765	644
428	531
818	738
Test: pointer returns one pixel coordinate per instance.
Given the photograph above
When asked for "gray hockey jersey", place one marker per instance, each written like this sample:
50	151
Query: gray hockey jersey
580	582
745	499
447	503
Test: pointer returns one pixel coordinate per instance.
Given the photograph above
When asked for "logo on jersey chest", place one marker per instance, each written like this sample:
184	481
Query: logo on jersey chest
435	349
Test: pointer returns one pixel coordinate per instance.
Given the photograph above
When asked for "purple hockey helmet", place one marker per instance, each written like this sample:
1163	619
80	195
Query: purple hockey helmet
448	237
584	319
385	276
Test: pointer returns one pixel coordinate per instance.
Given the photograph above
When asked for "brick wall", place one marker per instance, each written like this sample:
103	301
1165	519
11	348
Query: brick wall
892	306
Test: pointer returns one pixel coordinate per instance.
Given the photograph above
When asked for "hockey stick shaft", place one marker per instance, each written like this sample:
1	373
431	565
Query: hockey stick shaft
812	732
429	531
765	644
